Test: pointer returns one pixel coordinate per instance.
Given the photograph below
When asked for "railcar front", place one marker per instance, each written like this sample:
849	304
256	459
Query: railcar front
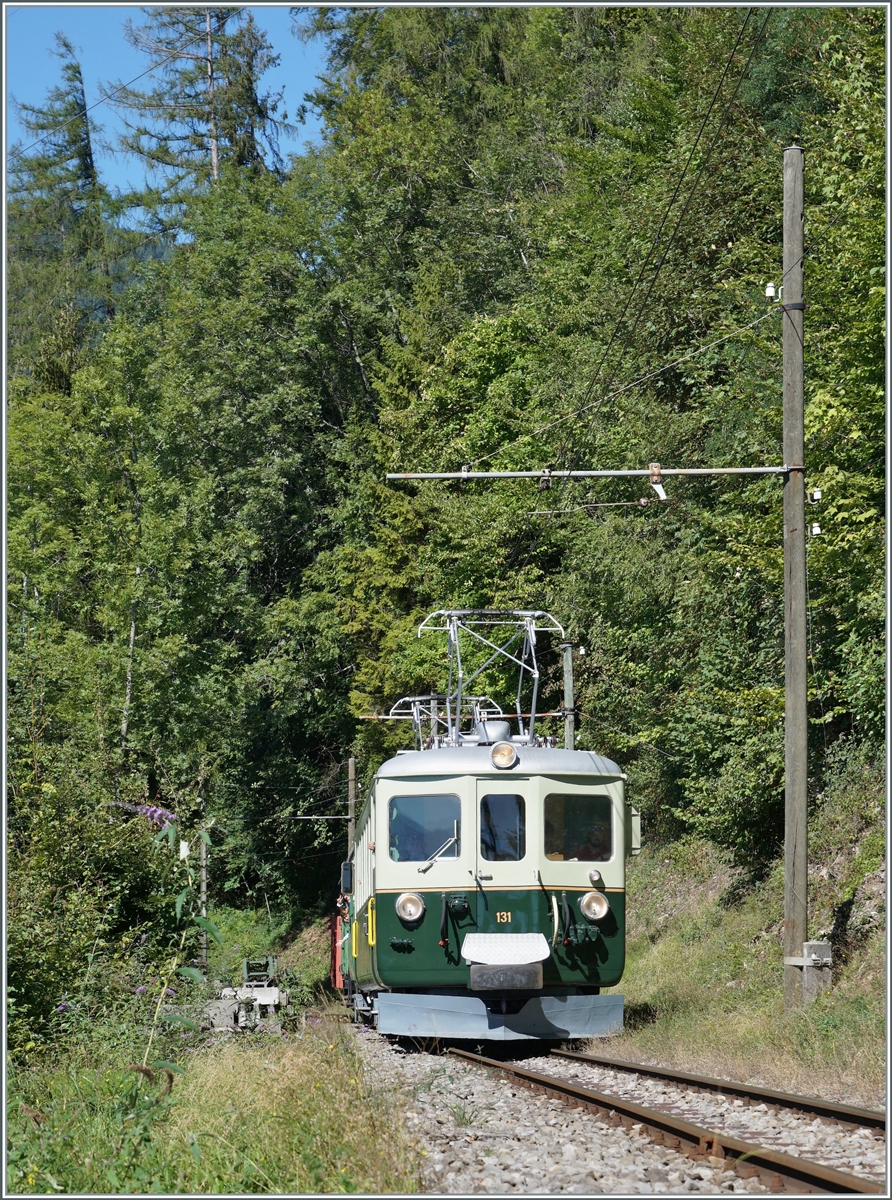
487	898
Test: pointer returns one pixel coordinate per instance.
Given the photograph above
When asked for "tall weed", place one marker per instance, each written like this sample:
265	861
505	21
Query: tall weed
703	980
254	1115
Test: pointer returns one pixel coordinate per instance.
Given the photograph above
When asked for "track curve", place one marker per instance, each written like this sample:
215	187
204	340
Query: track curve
774	1168
845	1114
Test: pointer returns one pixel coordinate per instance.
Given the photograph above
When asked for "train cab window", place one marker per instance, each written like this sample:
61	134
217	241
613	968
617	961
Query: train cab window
424	826
578	828
502	828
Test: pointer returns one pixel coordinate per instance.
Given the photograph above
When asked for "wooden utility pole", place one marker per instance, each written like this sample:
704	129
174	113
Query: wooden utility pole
351	803
569	699
796	646
203	869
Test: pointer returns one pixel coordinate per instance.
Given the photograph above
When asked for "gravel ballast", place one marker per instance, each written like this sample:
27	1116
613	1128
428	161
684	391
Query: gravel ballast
479	1133
856	1150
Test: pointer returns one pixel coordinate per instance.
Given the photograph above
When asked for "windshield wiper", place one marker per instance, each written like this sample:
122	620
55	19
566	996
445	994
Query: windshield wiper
439	853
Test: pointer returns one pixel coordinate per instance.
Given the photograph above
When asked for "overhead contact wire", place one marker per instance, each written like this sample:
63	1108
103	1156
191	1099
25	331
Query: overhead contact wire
662	258
703	165
636	382
650	252
656	242
660	261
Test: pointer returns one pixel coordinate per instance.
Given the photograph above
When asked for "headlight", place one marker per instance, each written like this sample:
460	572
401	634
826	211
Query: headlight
594	906
503	755
594	876
409	906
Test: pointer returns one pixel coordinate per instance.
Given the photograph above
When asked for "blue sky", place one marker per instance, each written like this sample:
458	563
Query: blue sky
97	33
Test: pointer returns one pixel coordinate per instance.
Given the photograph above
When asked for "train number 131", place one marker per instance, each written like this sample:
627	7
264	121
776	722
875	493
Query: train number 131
503	918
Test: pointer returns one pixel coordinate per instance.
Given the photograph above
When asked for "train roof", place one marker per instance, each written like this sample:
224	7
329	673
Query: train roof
475	760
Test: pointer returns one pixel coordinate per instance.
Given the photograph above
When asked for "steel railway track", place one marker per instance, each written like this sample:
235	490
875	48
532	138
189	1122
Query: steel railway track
843	1114
776	1170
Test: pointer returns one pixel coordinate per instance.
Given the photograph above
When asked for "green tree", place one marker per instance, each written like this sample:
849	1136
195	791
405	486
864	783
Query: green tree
66	258
680	606
517	246
206	108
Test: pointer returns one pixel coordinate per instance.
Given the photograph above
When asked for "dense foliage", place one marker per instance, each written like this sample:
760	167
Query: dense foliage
530	238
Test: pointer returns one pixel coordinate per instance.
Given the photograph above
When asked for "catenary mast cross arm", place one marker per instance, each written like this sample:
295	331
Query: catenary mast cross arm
545	473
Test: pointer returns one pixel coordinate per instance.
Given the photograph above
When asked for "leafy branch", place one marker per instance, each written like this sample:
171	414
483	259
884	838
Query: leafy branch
187	906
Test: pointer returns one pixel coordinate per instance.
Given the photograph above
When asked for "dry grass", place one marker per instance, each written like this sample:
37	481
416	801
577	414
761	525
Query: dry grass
703	984
288	1116
250	1115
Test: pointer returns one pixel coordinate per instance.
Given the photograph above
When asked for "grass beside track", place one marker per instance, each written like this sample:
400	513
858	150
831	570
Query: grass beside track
289	1116
834	1049
260	1114
704	973
704	987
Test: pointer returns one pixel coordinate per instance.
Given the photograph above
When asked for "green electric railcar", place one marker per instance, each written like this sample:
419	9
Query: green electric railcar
486	882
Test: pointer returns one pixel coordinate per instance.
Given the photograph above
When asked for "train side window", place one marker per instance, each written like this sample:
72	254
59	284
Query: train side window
578	827
422	825
503	828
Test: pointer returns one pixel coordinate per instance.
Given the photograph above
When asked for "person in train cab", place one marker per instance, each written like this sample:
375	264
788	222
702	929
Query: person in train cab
411	847
596	847
406	843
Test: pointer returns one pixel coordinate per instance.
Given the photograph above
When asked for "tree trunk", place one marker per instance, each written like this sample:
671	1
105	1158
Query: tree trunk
212	122
128	686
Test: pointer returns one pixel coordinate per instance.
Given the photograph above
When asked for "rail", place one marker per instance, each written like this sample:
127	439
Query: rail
849	1114
778	1171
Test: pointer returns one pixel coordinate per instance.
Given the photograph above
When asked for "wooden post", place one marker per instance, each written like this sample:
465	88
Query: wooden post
569	701
796	646
351	803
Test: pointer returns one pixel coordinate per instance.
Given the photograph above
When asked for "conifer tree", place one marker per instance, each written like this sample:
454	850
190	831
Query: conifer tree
60	261
206	107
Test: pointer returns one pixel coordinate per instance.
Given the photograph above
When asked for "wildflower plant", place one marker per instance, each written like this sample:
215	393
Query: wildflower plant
154	812
189	917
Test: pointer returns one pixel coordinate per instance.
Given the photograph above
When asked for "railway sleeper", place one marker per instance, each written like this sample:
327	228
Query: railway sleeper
798	1178
832	1115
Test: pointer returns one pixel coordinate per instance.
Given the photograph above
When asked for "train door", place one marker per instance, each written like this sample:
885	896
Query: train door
504	852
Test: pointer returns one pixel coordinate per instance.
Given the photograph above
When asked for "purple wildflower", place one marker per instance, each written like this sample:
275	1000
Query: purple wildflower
143	938
169	992
62	1007
140	989
156	814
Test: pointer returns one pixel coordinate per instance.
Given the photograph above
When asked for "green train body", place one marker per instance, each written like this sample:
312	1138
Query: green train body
531	856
